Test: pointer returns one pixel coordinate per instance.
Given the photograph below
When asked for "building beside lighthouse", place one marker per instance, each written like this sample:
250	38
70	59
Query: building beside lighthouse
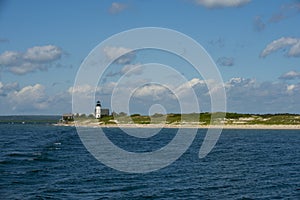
100	112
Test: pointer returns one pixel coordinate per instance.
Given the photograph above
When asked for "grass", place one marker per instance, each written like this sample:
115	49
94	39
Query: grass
172	118
205	118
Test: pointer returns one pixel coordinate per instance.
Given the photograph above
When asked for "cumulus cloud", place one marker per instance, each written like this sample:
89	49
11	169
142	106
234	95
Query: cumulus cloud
29	98
106	89
128	70
132	69
5	89
195	83
33	59
293	44
119	55
155	91
84	96
150	94
86	90
117	7
238	83
195	90
221	3
290	88
243	95
42	54
190	96
293	90
226	61
249	95
32	99
290	75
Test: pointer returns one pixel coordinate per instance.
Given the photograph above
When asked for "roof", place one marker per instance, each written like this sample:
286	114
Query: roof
98	103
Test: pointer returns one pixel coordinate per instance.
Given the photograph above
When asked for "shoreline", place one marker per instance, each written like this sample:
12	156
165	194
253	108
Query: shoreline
239	126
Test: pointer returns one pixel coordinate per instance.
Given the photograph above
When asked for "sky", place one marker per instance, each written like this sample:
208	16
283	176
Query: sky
255	45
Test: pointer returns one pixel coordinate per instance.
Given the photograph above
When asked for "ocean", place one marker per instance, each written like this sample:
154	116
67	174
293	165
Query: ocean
42	161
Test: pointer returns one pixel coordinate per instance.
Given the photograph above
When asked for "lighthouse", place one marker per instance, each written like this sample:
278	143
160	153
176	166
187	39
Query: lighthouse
98	110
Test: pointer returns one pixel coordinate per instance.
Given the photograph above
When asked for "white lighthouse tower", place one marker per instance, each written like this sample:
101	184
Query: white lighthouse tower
98	110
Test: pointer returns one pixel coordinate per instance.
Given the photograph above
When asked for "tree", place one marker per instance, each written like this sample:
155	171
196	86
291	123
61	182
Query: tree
91	116
122	114
83	115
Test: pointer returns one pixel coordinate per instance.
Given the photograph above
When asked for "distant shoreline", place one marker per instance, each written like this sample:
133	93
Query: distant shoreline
238	126
220	120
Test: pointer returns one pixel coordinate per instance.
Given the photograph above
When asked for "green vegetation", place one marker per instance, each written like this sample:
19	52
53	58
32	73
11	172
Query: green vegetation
172	118
107	120
204	119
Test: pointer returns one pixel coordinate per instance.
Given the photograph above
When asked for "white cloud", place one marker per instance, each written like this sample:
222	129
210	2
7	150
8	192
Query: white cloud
46	53
290	75
117	7
7	88
82	89
119	55
150	94
290	88
33	59
295	49
129	70
154	91
249	95
240	82
106	89
132	69
26	67
89	91
243	95
293	90
83	96
32	99
10	58
138	94
283	43
221	3
29	98
194	90
184	88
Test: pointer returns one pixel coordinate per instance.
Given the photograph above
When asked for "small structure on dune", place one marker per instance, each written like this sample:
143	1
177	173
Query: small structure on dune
100	112
68	117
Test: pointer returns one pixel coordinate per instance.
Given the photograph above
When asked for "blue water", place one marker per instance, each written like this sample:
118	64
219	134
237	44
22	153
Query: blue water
40	161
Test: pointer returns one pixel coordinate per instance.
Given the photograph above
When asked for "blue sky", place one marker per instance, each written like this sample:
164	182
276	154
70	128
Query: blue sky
255	44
